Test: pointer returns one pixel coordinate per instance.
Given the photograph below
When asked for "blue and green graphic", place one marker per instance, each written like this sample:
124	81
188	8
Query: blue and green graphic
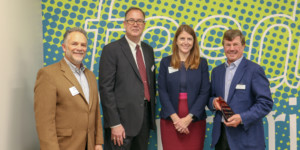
272	30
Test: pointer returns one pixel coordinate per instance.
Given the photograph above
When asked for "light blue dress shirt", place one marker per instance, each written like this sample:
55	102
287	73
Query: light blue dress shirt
81	78
230	71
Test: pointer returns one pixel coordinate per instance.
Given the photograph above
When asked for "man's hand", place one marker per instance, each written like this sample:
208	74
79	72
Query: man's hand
118	134
98	147
216	104
233	121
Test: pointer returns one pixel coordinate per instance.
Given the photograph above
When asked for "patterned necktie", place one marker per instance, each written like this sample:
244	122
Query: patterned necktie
142	70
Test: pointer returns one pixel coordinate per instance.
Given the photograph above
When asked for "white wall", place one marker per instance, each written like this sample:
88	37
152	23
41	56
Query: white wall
21	55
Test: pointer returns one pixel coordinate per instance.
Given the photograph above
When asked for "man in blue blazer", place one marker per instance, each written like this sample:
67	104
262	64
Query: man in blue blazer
244	86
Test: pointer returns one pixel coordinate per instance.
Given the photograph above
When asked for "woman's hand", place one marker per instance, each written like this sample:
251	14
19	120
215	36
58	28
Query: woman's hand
181	124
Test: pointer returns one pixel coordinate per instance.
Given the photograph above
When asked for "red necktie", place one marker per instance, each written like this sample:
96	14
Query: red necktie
142	70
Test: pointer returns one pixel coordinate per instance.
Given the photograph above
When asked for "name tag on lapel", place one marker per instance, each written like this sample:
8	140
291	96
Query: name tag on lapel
171	69
73	90
240	87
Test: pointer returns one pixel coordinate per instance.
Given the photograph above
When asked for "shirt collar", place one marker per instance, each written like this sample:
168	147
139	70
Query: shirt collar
131	43
236	63
73	67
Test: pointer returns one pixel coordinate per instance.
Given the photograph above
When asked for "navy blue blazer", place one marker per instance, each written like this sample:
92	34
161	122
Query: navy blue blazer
249	95
198	87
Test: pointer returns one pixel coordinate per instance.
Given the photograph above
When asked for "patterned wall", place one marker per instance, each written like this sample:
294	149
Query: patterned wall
272	30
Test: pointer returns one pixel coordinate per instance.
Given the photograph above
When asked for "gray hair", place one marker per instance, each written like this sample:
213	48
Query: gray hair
74	29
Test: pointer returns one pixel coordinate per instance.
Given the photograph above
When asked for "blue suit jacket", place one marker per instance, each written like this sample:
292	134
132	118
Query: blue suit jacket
252	103
198	87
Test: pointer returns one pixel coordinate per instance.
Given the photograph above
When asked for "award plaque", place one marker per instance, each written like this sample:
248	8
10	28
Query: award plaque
225	109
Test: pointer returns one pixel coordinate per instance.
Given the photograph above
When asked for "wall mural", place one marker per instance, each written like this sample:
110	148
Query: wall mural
271	28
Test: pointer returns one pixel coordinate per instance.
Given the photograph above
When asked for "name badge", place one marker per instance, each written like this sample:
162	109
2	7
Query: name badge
73	91
171	69
240	87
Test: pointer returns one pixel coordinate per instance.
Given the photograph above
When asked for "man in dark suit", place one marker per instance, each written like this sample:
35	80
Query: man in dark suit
127	87
245	87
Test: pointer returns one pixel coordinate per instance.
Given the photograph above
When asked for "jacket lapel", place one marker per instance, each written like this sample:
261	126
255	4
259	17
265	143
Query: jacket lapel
90	89
71	77
147	60
221	79
127	52
237	78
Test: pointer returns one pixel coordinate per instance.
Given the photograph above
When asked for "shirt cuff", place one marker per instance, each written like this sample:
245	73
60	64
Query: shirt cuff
192	116
115	126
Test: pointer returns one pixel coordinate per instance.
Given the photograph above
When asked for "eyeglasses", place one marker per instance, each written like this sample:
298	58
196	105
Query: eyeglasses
139	22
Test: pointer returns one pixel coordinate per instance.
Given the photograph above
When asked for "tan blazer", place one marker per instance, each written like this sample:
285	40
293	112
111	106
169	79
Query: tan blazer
63	121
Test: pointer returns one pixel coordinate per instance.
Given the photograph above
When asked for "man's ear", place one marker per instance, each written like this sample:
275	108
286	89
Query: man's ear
124	23
64	47
244	46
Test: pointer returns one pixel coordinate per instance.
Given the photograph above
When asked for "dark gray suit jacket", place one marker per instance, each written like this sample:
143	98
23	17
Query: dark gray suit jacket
121	87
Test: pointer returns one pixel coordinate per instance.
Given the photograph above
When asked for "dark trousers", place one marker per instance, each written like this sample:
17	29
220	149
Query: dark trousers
138	142
222	143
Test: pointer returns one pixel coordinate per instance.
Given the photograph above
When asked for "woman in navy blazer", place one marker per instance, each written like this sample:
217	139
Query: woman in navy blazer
183	83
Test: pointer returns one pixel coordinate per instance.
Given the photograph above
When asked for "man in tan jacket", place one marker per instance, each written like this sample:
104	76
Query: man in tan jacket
66	101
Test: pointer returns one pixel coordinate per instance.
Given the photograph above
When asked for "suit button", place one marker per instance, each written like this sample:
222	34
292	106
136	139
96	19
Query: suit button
142	105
